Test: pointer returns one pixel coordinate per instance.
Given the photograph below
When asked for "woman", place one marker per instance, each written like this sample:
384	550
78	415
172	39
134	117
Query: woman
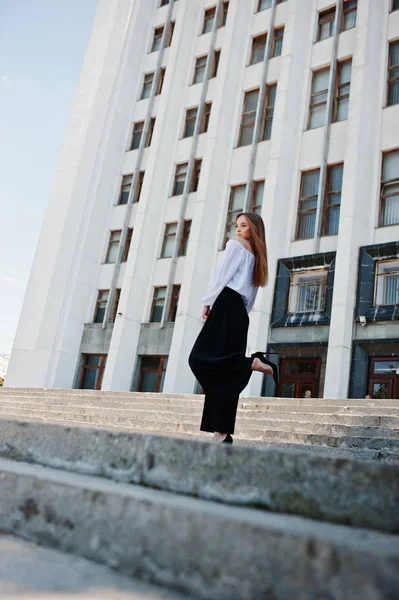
218	357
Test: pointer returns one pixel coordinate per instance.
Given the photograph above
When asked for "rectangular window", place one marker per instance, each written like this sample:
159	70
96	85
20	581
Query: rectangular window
196	175
160	82
343	85
113	245
266	132
387	283
263	4
125	189
209	19
258	49
215	66
307	291
281	1
389	203
236	206
152	373
326	24
225	10
91	375
332	201
158	302
180	179
393	74
278	35
173	303
199	71
307	204
150	132
169	240
127	245
156	43
147	85
318	98
248	118
139	186
257	197
395	5
184	238
191	116
349	15
101	305
205	117
137	133
117	296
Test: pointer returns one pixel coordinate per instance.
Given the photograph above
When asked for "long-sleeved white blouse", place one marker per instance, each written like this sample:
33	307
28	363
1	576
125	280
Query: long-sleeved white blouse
234	270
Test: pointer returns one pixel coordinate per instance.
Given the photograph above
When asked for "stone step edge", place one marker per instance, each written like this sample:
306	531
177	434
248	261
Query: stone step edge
243	431
100	520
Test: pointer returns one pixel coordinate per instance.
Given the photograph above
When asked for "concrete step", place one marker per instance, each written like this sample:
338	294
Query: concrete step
28	571
342	491
185	410
201	548
247	428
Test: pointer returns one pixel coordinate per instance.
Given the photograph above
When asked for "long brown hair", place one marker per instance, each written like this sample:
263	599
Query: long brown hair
258	243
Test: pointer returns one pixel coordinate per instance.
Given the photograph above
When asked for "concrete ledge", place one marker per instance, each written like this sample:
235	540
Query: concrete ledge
337	490
208	550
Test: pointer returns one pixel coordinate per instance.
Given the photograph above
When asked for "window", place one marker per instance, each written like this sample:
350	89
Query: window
332	201
318	98
169	240
387	283
127	245
258	49
184	238
281	1
173	303
101	305
215	66
138	129
341	101
236	206
395	5
125	189
91	375
248	118
152	373
225	10
278	35
147	85
263	4
160	82
112	251
257	197
158	302
209	18
150	132
196	175
191	116
117	296
307	204
139	186
389	203
199	71
269	112
180	178
393	74
326	24
206	117
156	43
349	15
307	291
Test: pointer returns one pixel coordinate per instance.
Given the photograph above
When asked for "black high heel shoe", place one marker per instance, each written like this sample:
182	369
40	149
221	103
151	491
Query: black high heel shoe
228	439
262	357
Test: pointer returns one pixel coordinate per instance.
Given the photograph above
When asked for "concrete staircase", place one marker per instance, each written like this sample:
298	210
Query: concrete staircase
203	520
358	428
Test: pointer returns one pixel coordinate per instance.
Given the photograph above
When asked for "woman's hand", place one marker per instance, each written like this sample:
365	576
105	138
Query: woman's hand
205	312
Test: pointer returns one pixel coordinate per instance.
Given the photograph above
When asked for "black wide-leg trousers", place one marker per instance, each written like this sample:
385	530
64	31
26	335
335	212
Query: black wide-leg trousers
219	363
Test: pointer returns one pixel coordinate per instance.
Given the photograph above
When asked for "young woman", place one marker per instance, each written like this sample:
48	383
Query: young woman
218	357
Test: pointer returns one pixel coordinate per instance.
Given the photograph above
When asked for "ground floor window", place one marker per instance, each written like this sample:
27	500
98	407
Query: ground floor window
152	373
384	378
92	371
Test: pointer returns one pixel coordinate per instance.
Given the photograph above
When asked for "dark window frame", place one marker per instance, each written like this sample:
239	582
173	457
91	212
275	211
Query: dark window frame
161	370
100	368
166	236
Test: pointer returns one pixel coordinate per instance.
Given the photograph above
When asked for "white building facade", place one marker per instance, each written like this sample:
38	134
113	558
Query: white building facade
188	112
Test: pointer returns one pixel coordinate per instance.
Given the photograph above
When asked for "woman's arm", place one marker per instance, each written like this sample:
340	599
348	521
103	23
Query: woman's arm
227	266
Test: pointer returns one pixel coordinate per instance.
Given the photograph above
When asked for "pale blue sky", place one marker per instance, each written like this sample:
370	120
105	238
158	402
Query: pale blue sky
42	47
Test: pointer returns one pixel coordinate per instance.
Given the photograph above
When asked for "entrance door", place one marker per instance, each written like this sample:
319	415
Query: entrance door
298	376
384	378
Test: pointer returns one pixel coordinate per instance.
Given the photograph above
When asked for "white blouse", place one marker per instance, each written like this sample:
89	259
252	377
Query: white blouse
234	270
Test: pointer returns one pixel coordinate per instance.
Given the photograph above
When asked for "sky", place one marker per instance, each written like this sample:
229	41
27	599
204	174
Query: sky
42	48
